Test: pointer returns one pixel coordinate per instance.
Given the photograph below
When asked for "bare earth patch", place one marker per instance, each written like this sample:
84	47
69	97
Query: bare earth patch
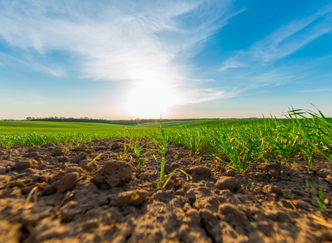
52	193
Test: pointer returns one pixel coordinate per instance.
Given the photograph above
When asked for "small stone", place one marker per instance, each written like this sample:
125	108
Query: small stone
226	182
78	158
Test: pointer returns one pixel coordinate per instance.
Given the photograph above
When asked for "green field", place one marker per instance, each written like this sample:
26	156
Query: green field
303	134
55	127
27	133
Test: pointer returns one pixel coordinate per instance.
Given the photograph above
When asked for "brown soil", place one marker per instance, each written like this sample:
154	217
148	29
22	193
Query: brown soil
111	201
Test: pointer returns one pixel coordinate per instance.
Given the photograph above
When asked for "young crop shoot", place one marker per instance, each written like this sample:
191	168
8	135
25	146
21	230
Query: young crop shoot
97	157
234	154
321	202
162	148
137	147
170	176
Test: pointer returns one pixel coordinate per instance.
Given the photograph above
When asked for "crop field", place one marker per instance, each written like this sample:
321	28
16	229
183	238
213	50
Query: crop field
246	180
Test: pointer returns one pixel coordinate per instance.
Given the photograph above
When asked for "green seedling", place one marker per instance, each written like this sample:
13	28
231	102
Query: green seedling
137	150
233	153
117	157
162	148
97	157
321	202
139	163
131	138
307	152
170	176
155	158
125	149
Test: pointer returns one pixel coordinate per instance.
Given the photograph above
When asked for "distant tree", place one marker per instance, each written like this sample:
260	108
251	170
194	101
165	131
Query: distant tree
29	118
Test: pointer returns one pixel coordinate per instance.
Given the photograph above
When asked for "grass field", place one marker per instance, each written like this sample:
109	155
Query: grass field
303	134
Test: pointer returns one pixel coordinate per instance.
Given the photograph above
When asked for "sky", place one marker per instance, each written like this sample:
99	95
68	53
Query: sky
176	58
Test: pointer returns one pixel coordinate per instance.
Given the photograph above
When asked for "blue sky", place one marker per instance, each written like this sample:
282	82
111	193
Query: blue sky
181	59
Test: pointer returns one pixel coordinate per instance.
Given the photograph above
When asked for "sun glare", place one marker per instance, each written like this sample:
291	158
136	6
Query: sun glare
150	99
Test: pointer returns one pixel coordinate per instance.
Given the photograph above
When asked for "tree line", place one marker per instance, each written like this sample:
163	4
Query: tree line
87	119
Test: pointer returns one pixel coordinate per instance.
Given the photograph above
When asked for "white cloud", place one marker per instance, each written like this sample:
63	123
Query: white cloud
142	42
257	62
232	64
293	36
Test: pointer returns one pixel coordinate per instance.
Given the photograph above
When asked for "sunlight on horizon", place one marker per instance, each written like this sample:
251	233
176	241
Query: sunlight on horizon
150	99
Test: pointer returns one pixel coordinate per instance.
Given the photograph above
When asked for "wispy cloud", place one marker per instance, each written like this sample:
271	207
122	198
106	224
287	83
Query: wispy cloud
12	60
254	67
232	64
293	36
146	42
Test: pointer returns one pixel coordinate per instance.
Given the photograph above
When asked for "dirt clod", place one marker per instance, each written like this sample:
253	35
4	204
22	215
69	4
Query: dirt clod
22	165
67	182
78	158
112	174
57	152
115	145
226	182
127	198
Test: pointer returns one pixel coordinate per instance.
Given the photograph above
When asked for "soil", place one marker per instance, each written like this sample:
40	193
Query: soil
52	193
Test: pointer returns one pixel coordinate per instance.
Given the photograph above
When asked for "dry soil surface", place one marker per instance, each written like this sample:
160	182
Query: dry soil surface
43	198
